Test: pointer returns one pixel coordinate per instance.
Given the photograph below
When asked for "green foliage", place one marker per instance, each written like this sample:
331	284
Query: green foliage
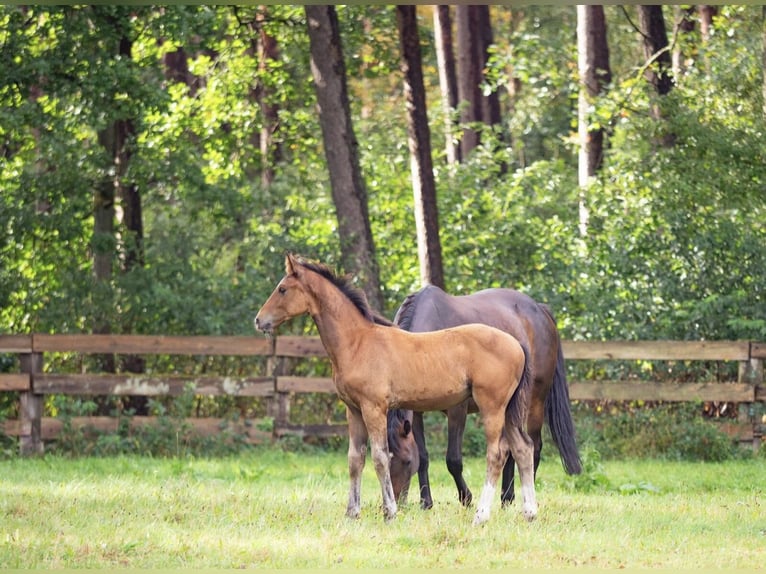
667	431
675	243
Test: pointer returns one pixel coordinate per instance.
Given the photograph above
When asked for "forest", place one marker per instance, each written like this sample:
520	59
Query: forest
157	162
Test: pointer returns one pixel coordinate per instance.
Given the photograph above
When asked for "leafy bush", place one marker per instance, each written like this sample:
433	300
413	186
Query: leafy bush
668	431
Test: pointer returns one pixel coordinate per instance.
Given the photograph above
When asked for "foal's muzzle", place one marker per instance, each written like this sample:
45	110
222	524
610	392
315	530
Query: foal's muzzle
264	326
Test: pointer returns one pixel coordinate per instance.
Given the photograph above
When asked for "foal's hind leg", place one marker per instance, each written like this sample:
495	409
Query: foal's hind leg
497	453
523	451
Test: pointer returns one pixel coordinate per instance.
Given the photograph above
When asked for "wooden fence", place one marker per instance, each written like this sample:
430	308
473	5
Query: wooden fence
34	381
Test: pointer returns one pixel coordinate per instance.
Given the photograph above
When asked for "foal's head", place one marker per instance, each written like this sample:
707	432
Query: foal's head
293	296
289	299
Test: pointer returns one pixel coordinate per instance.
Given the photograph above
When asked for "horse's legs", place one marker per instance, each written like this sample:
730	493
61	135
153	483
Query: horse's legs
456	417
497	453
535	419
375	419
523	451
418	431
357	447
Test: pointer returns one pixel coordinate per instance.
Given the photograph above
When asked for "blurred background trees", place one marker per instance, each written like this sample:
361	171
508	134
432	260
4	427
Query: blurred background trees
156	163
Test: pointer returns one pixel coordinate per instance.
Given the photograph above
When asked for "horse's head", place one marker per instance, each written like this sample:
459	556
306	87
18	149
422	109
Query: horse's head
289	299
405	456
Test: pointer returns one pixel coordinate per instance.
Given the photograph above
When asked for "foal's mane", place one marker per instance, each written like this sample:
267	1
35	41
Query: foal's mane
349	290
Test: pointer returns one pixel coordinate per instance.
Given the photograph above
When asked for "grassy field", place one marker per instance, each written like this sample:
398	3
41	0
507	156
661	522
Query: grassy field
275	509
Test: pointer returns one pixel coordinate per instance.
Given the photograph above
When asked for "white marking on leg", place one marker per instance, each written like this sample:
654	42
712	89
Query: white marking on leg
485	503
530	501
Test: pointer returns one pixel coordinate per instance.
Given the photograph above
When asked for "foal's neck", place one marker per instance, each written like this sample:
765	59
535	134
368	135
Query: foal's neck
339	322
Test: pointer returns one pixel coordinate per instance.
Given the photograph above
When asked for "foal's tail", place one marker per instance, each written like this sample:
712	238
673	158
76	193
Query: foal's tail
518	405
558	415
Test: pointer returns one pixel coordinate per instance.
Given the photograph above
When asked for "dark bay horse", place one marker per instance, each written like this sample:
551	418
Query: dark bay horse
377	367
533	325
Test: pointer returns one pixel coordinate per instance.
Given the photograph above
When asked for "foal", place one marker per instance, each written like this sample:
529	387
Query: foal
377	367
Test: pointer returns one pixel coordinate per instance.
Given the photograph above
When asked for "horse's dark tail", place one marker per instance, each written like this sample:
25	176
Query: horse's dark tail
518	405
559	416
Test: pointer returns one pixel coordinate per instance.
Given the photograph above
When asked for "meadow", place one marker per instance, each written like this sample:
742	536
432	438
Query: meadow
275	509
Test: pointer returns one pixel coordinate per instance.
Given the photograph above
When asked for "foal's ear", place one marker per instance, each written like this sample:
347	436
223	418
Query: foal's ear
406	428
291	264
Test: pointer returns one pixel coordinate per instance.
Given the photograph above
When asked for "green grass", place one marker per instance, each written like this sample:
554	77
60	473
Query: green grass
276	509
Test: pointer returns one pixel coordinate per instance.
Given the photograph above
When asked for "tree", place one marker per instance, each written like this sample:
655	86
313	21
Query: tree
595	75
419	136
658	61
341	150
445	59
469	75
763	58
654	38
265	49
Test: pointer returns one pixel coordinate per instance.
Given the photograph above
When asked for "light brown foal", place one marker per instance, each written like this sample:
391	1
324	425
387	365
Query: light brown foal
379	367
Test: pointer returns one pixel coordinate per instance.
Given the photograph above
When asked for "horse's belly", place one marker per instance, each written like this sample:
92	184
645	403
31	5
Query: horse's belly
420	396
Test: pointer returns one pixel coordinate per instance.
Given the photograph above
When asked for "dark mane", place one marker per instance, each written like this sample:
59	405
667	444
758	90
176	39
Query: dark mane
406	311
352	293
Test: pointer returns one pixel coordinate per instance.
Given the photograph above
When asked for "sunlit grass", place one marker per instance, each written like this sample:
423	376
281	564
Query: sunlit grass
275	509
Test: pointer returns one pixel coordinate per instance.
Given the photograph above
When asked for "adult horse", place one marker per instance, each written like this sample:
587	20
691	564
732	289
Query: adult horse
533	325
376	367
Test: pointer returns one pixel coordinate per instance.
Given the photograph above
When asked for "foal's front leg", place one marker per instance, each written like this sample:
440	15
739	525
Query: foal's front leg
375	419
357	448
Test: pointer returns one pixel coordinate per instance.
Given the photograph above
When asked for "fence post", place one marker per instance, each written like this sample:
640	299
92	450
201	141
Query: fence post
31	408
751	373
279	406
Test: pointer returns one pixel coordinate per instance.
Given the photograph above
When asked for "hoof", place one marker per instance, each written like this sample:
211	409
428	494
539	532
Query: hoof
530	513
352	513
478	520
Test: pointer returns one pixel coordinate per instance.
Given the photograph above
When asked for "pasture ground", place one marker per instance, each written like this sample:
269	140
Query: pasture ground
272	509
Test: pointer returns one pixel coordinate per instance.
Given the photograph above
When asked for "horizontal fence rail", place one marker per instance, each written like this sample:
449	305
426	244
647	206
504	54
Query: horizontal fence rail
34	381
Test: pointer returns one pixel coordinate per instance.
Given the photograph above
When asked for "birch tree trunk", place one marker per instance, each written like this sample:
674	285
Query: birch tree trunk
445	61
595	75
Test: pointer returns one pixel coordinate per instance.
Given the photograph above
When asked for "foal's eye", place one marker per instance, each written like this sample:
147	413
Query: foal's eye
282	290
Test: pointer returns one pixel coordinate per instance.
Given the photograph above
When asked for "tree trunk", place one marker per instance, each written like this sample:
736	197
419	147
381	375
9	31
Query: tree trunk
595	75
474	37
763	59
132	222
490	104
469	75
445	58
706	14
104	248
659	62
655	41
341	149
268	51
419	135
685	24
